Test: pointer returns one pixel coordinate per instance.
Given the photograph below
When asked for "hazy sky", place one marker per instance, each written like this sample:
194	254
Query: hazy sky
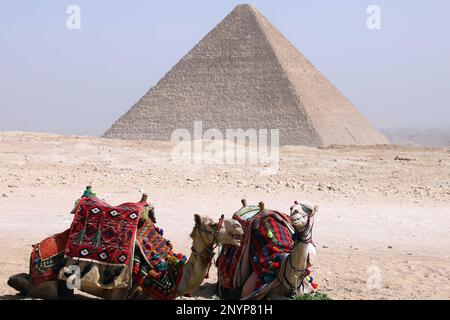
65	81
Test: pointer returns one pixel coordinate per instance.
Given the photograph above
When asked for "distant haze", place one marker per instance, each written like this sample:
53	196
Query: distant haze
57	80
437	137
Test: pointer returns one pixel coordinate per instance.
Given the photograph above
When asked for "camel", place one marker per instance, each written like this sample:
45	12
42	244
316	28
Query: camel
294	268
206	235
204	239
291	278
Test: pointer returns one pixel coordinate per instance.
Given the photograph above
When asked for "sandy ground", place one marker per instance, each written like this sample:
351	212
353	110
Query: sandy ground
376	213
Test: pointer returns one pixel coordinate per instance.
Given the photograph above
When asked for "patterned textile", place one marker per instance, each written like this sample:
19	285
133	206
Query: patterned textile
270	241
157	269
47	257
103	236
99	236
267	238
103	233
230	256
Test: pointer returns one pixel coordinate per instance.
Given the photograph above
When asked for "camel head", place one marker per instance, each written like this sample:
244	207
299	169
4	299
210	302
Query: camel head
302	216
232	234
211	232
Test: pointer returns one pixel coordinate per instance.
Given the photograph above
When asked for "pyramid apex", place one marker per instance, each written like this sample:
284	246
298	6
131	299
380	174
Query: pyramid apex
244	6
246	74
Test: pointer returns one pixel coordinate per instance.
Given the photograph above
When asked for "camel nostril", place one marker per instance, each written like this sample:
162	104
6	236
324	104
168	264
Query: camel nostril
237	236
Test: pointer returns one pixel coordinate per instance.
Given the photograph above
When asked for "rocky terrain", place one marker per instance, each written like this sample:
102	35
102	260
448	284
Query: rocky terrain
382	208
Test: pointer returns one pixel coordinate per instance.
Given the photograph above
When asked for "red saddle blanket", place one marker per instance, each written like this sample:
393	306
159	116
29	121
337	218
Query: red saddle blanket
111	238
102	233
47	257
267	238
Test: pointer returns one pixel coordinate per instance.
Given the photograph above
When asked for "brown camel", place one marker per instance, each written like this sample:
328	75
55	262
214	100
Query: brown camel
205	236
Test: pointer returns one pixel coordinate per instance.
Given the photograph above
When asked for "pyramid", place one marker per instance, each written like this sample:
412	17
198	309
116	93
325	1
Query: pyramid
245	74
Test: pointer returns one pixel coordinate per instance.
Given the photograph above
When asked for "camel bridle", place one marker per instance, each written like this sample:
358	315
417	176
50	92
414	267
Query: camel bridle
304	235
209	247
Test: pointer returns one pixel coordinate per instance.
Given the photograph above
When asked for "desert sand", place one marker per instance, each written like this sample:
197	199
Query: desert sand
385	207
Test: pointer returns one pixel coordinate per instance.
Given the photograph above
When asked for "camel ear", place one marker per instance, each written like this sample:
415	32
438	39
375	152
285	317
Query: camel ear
316	208
197	219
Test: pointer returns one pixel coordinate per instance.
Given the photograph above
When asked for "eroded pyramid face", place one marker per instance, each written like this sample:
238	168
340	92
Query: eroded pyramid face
246	75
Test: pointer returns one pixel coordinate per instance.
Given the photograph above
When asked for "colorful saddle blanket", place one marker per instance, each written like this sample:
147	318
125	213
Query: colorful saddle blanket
267	238
103	236
230	257
157	269
47	257
111	241
271	239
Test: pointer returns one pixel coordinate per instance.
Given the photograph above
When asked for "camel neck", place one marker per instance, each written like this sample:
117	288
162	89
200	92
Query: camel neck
298	257
195	270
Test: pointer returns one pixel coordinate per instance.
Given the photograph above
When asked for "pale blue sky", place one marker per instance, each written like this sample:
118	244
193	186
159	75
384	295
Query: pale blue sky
80	82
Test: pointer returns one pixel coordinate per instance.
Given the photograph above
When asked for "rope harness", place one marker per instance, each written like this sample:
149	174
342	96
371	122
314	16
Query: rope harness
209	247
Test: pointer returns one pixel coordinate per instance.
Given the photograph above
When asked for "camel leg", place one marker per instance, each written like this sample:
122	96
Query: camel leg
64	293
46	290
20	282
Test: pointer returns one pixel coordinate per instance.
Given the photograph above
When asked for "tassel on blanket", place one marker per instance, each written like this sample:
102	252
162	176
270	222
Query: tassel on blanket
81	236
